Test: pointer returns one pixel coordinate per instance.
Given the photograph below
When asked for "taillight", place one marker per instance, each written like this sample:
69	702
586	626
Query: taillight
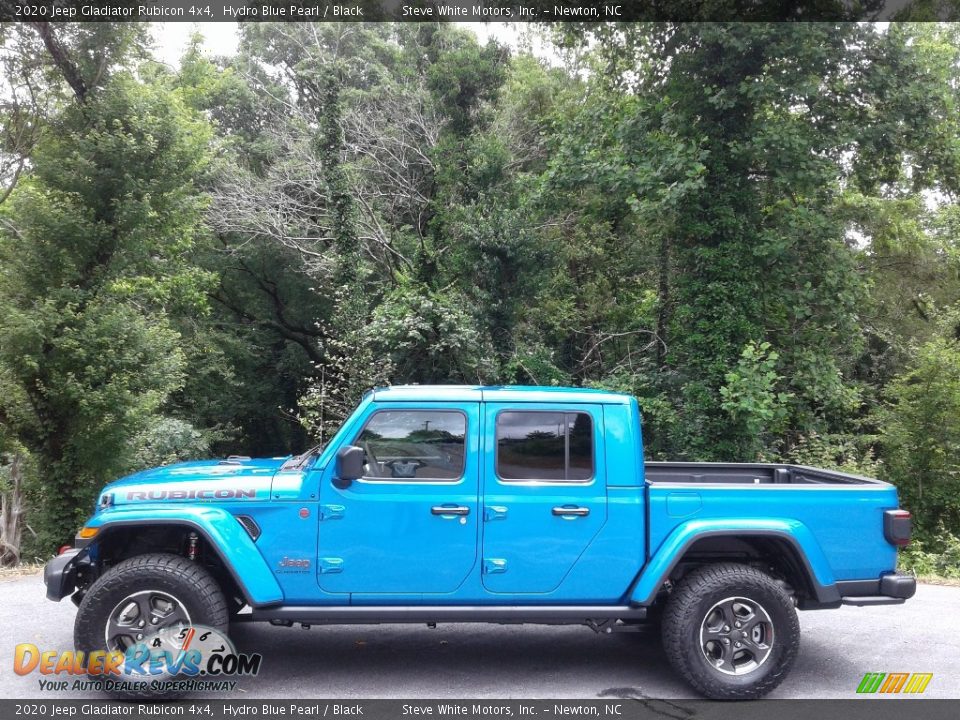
64	548
897	526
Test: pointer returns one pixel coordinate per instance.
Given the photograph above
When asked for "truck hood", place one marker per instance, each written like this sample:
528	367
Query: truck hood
204	480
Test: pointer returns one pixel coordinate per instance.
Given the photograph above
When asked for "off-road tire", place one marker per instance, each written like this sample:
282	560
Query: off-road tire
691	602
189	582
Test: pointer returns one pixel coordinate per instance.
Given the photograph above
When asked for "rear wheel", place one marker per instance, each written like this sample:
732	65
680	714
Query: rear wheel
148	598
731	631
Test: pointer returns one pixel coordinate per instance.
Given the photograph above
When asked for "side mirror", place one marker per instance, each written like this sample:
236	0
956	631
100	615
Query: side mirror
349	466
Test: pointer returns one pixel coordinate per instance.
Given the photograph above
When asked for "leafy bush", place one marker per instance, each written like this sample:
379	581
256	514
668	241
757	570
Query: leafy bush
165	441
920	436
939	556
750	397
847	453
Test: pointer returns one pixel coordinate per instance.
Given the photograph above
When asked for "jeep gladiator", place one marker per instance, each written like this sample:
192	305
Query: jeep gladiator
491	504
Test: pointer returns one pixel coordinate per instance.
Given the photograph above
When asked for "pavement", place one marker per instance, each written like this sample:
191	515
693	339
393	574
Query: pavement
514	662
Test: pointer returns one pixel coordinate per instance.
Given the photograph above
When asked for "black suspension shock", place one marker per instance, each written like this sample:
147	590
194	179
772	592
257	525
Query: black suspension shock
192	546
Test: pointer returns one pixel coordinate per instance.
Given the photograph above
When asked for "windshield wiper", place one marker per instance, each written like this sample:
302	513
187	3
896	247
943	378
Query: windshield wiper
298	461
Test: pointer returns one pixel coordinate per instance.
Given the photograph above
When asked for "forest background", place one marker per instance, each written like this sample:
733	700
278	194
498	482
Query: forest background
753	228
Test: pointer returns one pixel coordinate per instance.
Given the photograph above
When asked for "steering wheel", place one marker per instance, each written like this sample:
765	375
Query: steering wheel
404	467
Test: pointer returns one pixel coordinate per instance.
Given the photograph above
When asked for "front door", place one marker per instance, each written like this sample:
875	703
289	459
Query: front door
544	493
410	525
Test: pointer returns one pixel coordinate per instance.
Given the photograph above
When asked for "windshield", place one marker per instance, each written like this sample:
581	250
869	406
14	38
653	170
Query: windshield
297	462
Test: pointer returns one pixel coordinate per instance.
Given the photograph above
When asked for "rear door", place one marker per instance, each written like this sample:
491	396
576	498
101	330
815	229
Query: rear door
410	525
544	492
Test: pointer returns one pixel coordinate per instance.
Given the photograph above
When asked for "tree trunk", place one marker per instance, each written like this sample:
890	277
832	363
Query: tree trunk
663	300
11	514
62	60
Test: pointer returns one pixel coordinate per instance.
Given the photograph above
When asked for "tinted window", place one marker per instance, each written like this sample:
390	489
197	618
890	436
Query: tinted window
544	446
414	445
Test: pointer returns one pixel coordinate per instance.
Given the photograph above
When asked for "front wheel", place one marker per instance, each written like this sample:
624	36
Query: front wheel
731	631
148	599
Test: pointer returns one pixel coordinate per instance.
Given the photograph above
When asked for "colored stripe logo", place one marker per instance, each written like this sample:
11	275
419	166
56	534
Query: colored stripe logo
918	682
894	683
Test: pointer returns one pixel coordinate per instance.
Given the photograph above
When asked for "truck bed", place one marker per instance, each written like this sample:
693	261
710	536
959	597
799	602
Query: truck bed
748	474
842	513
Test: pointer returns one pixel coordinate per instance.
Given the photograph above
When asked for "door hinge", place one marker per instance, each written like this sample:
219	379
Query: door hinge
330	565
331	512
494	512
494	566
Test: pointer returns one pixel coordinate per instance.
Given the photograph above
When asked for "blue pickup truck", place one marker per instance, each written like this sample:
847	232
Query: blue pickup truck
491	504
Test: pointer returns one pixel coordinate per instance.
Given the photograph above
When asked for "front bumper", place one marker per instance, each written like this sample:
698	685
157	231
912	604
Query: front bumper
62	574
891	589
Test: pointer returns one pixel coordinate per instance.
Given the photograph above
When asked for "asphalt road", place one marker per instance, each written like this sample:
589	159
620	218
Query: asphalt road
492	661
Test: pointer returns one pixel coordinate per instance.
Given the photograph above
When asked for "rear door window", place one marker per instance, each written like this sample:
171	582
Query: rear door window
544	446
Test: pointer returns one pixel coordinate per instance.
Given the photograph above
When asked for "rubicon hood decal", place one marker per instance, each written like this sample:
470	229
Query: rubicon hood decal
207	481
199	494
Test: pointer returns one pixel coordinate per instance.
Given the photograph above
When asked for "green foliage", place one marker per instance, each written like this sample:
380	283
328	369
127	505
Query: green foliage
429	336
750	227
92	256
167	440
846	452
464	78
939	557
919	435
750	396
352	366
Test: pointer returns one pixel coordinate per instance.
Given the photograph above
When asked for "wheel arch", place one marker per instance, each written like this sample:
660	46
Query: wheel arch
789	548
219	532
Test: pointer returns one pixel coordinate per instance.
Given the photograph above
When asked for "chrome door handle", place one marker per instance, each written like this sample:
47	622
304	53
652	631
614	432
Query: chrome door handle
579	511
450	510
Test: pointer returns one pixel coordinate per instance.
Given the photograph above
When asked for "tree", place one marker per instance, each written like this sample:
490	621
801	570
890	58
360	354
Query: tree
751	227
92	255
920	437
345	241
46	67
